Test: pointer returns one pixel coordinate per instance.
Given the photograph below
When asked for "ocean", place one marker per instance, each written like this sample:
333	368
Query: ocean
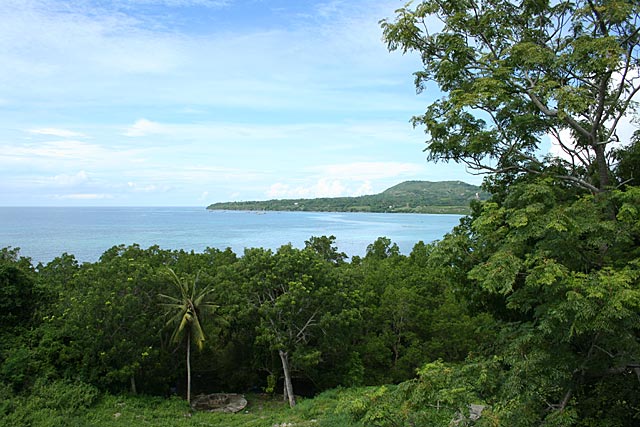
43	233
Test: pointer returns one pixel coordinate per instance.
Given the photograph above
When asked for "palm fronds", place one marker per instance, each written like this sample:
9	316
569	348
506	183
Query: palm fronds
186	309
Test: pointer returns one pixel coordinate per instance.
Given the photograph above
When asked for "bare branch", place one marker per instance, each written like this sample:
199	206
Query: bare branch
300	337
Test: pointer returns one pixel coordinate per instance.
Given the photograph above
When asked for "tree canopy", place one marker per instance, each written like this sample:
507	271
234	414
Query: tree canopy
514	73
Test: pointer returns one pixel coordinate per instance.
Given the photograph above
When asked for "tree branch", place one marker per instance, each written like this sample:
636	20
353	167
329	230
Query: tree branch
300	336
580	182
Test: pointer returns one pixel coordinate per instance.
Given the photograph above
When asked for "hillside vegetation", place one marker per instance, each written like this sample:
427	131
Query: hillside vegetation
451	197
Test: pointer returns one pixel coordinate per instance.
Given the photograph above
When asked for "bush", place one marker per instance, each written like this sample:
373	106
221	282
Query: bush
64	395
50	404
6	399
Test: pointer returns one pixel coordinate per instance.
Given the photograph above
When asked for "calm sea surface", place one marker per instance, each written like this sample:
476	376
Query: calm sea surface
45	233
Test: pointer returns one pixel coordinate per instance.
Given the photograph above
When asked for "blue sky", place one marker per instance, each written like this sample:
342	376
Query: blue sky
189	102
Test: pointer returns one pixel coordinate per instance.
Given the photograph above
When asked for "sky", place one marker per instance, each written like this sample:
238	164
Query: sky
191	102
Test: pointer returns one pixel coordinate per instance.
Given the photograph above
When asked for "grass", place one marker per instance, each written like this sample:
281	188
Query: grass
261	410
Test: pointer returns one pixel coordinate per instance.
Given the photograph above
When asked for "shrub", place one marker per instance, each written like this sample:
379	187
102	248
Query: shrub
50	404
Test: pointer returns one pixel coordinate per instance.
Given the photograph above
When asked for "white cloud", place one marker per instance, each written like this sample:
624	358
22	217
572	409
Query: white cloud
324	187
365	188
233	137
56	150
65	180
181	3
137	56
329	188
177	173
144	127
84	196
285	191
226	109
346	179
142	188
62	133
79	48
367	171
48	163
60	150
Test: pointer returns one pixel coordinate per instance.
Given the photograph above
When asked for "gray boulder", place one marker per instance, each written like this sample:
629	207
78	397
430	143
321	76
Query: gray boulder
219	402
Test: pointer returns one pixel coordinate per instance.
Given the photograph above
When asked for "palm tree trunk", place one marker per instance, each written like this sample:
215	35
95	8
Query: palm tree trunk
288	386
188	368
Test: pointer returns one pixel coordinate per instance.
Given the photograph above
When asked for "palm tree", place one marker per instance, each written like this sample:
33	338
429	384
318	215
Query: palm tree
186	310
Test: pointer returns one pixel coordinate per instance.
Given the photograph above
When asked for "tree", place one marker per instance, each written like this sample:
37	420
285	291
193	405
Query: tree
515	72
101	325
559	276
18	295
555	268
296	299
382	248
627	169
20	300
187	309
325	247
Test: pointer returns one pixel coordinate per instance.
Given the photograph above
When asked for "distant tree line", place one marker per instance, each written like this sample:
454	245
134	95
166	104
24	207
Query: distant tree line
444	197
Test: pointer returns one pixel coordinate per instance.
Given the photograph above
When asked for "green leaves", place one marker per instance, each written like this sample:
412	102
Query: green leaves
515	73
561	272
186	309
604	301
499	273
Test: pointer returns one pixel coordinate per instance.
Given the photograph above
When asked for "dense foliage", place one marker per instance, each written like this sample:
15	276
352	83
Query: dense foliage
103	323
530	307
443	197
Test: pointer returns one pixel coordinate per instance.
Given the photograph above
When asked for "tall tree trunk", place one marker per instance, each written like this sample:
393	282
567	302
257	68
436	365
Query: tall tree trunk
603	168
189	368
134	390
288	386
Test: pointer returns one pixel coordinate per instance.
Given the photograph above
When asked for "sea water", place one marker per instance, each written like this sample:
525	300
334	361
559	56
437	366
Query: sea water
45	233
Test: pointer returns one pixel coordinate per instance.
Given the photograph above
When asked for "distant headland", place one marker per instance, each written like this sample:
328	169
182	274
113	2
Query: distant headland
441	197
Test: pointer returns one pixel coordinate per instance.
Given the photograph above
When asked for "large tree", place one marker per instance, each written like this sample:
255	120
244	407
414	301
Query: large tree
514	72
101	324
556	268
297	298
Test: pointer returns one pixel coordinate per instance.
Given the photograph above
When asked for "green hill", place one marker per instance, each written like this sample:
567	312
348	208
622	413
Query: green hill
452	197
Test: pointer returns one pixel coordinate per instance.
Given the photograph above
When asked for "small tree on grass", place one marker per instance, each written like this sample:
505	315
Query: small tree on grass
187	309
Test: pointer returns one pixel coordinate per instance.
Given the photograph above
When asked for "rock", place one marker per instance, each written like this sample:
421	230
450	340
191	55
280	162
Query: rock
219	402
475	412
